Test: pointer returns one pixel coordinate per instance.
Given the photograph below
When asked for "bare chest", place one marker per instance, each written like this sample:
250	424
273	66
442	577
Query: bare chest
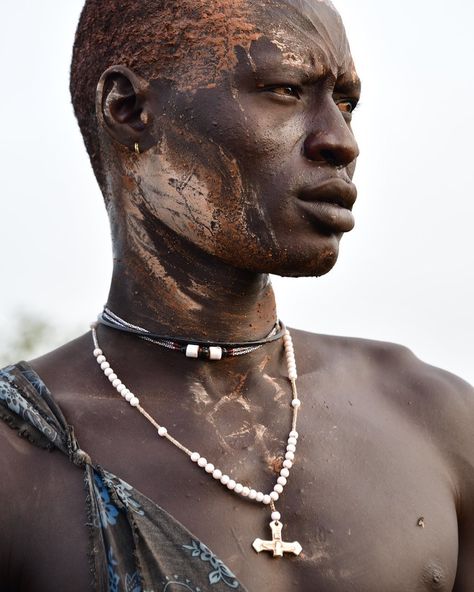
371	506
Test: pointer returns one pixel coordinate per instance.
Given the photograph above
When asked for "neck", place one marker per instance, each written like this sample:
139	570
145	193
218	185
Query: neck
167	286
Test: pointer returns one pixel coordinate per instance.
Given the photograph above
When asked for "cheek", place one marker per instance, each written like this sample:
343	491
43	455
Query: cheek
177	195
192	186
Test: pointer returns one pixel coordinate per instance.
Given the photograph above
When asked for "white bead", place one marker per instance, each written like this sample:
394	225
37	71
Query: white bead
192	351
294	434
108	371
129	396
121	388
287	463
285	472
225	479
134	401
276	516
291	367
94	325
246	491
252	494
117	382
290	353
97	352
215	353
259	496
101	359
209	468
202	462
266	499
292	441
217	474
125	392
291	448
239	488
162	431
296	403
274	496
282	481
112	376
195	456
278	488
292	375
105	365
290	455
231	485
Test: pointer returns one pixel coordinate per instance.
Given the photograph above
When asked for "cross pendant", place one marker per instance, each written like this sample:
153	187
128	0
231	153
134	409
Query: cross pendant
277	546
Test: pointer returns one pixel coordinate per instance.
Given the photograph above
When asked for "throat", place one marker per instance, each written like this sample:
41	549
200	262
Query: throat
175	292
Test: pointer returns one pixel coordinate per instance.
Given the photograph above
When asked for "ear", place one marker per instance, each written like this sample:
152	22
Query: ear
123	107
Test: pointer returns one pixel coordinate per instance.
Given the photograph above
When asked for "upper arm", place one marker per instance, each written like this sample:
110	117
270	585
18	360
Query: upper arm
14	452
462	446
465	571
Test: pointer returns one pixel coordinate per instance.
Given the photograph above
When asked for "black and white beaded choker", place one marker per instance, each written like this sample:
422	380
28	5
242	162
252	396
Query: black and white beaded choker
192	348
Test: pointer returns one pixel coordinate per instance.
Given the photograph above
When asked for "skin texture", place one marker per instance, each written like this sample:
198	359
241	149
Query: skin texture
233	182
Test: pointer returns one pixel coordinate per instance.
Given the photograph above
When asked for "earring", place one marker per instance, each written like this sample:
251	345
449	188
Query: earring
137	148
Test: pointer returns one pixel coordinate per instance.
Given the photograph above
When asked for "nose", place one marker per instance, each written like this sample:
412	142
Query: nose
333	142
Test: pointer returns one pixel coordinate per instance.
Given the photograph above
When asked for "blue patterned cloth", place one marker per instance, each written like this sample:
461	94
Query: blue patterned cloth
136	546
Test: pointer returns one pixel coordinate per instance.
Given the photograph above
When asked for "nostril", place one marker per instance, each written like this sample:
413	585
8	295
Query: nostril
330	157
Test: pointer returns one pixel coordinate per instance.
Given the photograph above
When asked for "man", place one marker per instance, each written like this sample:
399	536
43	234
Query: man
220	135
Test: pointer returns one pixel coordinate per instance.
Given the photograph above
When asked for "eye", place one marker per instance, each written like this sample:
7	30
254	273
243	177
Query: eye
347	105
284	90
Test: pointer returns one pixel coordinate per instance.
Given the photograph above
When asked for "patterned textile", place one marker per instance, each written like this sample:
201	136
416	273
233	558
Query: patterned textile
135	545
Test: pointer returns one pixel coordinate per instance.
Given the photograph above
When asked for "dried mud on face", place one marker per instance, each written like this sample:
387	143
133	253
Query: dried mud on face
201	36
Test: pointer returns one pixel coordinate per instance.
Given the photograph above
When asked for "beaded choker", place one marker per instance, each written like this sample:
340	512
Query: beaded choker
192	348
276	546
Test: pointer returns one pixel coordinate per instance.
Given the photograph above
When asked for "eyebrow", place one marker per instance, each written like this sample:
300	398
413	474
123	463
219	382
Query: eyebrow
344	83
348	85
278	69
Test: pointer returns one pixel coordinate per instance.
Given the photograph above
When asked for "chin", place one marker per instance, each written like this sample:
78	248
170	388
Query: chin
313	268
300	264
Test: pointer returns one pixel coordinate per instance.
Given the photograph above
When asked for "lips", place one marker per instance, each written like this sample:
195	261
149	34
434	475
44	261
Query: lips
329	204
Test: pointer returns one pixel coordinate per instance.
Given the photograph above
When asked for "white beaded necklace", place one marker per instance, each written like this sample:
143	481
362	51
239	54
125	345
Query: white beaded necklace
276	545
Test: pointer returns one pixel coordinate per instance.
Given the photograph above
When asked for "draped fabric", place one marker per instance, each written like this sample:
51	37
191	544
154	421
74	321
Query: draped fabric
135	545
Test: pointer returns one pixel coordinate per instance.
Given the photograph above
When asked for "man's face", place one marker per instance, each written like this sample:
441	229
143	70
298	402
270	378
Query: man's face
257	168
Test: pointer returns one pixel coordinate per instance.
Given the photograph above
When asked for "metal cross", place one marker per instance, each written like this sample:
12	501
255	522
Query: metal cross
277	545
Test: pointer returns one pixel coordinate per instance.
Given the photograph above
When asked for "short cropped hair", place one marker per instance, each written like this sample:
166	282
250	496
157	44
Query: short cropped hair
188	42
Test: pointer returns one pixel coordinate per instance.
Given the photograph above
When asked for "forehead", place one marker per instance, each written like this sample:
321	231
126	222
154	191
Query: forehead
307	31
198	40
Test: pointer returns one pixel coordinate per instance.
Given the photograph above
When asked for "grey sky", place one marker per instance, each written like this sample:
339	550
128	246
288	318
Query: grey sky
406	272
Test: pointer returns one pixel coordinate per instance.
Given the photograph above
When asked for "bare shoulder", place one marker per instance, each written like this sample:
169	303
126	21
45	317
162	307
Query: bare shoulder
439	396
435	401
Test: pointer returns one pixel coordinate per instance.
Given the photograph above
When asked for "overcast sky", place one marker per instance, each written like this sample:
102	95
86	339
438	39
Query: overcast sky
405	273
